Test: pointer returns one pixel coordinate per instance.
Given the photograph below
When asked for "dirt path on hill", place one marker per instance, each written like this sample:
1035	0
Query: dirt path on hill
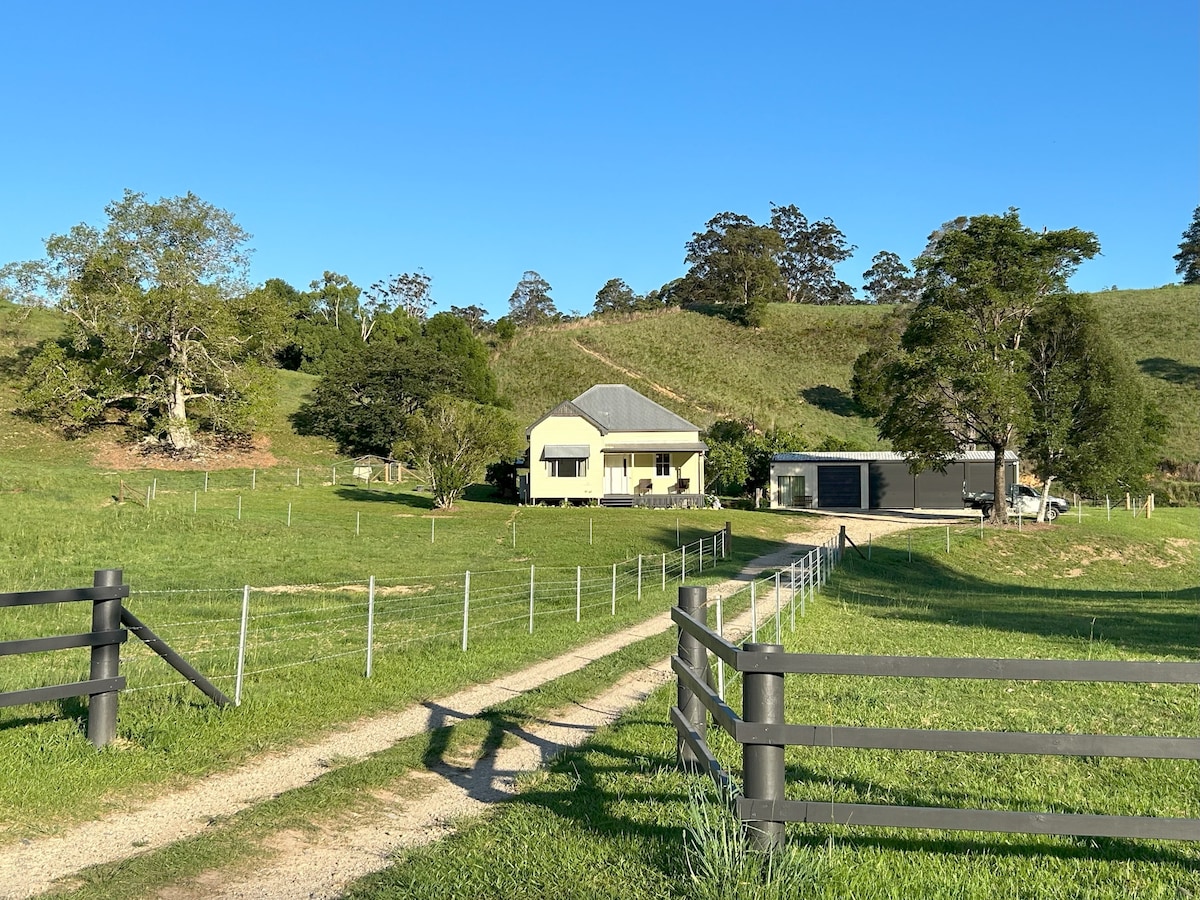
638	376
422	806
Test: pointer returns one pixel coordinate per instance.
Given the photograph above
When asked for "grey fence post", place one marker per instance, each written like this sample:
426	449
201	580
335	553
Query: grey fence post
106	661
727	540
370	616
762	764
841	544
692	600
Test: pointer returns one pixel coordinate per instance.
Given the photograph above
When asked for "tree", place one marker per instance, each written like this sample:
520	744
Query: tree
733	265
961	373
476	317
739	458
810	251
279	300
161	332
334	299
1091	425
615	297
451	442
367	393
408	292
452	340
889	280
530	303
1187	260
326	322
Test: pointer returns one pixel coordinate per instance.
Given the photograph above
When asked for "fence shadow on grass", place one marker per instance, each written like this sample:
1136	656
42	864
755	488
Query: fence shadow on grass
1158	623
586	802
813	783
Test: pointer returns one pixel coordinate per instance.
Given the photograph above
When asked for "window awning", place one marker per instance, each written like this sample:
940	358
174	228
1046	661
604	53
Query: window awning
661	447
565	451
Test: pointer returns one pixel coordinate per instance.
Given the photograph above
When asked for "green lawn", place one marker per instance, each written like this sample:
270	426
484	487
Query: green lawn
188	555
615	818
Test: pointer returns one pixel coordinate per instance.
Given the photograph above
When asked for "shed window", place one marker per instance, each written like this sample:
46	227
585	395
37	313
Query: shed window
567	468
662	463
791	491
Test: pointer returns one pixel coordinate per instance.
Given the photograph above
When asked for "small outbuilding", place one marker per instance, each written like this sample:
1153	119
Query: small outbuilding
879	480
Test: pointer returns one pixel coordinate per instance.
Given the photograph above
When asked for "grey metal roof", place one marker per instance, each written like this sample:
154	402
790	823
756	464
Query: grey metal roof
657	447
565	451
883	456
619	407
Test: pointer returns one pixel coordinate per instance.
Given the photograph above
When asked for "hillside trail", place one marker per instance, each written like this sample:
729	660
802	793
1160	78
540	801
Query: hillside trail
638	376
421	807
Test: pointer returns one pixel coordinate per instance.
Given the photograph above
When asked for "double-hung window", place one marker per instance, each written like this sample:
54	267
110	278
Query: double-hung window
662	463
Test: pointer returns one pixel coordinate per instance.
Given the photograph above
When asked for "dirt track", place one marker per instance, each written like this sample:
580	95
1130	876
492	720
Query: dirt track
322	863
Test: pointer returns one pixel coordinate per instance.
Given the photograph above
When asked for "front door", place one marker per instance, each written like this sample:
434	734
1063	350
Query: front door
616	474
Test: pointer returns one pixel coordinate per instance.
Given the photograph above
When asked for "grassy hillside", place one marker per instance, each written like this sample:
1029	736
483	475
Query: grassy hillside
1160	330
795	371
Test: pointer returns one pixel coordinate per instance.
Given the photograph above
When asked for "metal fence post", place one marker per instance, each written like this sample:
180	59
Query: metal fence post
639	578
762	764
841	544
753	614
370	618
692	600
531	599
241	657
727	541
778	632
105	661
578	591
466	607
792	602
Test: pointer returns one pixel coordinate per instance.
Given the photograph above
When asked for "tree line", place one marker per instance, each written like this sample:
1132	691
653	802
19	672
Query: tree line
987	346
165	338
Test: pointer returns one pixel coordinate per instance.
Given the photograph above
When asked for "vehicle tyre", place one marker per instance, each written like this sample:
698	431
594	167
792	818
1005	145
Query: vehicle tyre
986	509
1051	513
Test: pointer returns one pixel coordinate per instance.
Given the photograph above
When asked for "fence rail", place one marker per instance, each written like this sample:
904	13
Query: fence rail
763	734
104	683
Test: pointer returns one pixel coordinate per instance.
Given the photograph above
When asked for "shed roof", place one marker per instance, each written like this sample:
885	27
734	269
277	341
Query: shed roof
883	456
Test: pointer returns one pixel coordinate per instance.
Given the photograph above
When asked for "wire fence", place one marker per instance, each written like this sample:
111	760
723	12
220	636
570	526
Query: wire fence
778	596
144	486
237	635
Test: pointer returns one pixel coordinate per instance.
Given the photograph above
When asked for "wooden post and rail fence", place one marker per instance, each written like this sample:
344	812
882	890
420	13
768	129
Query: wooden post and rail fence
764	734
104	682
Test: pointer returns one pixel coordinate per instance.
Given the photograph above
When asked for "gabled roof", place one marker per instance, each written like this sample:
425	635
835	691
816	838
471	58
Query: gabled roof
569	410
620	408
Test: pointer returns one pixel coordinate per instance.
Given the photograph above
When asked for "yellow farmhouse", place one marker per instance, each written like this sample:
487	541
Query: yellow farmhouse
612	445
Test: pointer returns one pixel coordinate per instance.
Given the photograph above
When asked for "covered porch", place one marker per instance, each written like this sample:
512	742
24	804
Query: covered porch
656	474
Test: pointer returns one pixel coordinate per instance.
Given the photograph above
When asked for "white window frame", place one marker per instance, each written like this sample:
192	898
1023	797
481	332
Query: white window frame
662	464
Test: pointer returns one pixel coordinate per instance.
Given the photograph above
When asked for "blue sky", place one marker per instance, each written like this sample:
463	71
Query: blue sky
587	142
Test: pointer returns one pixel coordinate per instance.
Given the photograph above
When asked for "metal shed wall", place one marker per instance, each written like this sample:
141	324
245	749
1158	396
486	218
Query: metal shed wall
940	490
892	486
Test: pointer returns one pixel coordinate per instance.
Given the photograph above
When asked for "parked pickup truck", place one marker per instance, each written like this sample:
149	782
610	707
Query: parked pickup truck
1022	500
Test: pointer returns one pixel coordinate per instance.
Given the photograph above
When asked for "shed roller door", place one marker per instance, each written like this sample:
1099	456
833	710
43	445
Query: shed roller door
839	487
